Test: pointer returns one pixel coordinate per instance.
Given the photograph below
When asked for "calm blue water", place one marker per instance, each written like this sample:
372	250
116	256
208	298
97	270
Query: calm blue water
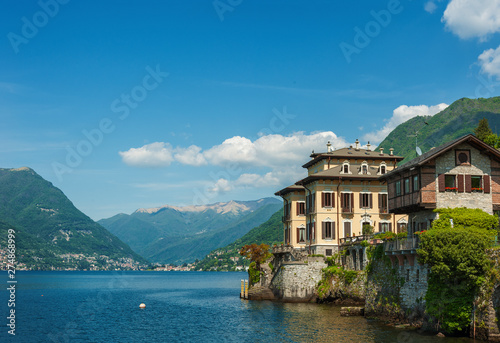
181	307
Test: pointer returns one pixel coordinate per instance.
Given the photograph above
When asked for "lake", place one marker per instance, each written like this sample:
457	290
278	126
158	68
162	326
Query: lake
180	307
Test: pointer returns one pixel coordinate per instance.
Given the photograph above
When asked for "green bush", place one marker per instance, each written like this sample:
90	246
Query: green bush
253	273
459	263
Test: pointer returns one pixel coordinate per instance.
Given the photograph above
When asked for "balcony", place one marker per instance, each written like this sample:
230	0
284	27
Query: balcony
383	210
401	246
355	239
347	210
285	218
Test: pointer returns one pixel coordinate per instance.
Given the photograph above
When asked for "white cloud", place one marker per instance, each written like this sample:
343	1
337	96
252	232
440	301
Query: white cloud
235	149
472	18
279	156
156	154
489	61
400	115
190	156
271	150
430	7
222	186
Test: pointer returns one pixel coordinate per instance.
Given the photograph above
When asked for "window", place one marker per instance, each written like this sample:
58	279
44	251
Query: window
347	202
301	234
365	200
449	182
383	169
407	275
347	229
311	201
286	211
417	278
328	252
345	168
462	157
301	208
384	227
364	169
415	183
402	227
476	183
382	203
398	188
327	199
311	234
328	230
407	186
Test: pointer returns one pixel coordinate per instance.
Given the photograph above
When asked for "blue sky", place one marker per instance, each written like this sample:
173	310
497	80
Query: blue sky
129	104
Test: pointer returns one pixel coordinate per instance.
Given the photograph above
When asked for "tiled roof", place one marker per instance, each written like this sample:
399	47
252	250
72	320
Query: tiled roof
350	153
334	173
289	189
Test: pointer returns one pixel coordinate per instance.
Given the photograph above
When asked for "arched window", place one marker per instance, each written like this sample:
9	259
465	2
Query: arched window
364	168
345	168
382	169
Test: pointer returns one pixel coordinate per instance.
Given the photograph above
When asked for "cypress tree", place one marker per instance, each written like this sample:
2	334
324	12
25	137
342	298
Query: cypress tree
482	131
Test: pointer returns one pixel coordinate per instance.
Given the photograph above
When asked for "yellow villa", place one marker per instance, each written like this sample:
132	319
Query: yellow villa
341	193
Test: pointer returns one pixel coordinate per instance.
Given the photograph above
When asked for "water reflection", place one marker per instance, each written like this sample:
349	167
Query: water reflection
322	323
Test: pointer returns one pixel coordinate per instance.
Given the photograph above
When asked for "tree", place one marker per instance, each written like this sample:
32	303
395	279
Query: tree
482	131
256	253
492	140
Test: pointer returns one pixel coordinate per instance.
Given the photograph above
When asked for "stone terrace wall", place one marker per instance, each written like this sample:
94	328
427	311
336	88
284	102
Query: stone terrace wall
396	292
297	280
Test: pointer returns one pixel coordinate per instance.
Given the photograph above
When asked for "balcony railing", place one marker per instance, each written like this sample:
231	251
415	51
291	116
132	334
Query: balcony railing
355	239
285	218
347	209
399	245
383	210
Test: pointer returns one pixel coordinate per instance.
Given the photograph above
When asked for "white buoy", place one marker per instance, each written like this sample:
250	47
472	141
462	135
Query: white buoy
143	305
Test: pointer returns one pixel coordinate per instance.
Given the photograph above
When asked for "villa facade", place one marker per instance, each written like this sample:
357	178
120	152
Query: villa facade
341	193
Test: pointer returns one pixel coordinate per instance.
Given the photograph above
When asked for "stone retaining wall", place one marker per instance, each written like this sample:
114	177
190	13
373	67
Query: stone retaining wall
297	280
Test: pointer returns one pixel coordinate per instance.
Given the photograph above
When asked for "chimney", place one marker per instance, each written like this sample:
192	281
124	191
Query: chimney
329	147
381	151
357	144
368	146
391	151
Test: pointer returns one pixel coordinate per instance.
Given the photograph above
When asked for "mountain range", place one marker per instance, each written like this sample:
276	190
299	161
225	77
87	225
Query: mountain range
51	232
228	258
172	234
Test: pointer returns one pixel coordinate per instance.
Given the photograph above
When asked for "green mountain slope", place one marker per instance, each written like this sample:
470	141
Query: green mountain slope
458	119
49	227
228	257
175	235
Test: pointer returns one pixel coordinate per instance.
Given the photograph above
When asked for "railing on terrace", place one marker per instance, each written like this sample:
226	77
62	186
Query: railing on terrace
401	244
355	239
